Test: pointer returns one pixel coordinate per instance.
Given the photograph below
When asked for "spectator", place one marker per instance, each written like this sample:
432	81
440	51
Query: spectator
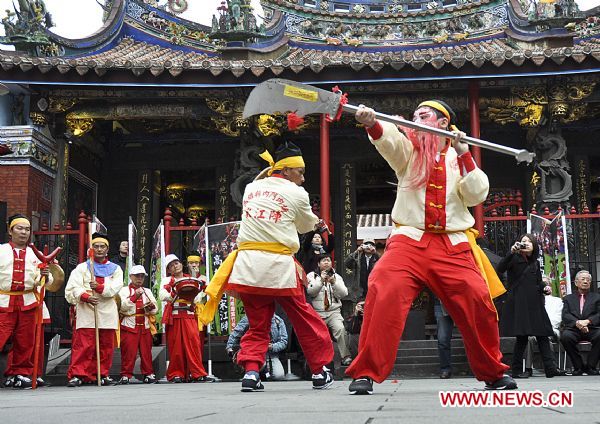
277	344
353	326
553	306
121	257
445	325
523	313
326	288
361	262
581	321
315	245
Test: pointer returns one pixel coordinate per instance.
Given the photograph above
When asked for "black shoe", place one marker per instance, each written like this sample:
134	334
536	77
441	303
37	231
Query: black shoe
322	380
592	371
74	382
107	381
361	386
445	374
504	383
521	375
576	372
149	379
124	380
22	382
9	381
529	371
177	380
41	383
555	372
251	382
205	379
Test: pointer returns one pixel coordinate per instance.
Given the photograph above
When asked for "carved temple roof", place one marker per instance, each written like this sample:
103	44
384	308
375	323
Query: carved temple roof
314	37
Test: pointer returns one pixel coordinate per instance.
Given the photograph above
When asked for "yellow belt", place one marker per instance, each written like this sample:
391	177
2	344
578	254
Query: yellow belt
16	293
218	284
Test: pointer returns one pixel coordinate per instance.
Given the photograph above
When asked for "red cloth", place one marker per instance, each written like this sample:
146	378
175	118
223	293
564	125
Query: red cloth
83	353
394	283
183	343
310	328
9	360
19	326
131	343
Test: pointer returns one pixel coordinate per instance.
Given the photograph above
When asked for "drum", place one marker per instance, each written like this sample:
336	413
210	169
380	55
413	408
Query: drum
187	288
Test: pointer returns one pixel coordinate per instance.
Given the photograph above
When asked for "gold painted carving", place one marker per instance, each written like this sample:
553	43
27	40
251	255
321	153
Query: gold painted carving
79	126
38	118
559	101
61	104
268	125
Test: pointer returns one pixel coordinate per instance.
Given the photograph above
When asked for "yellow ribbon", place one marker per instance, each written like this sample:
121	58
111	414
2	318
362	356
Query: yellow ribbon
485	266
18	221
218	284
289	162
16	293
100	240
440	108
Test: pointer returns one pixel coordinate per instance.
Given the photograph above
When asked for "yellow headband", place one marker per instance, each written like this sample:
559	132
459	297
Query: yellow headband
440	108
193	258
289	162
100	240
17	221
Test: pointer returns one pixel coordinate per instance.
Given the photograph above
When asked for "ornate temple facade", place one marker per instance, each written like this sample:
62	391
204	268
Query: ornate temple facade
146	113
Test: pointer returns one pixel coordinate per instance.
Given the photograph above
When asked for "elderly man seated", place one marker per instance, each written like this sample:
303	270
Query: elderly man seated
581	322
325	289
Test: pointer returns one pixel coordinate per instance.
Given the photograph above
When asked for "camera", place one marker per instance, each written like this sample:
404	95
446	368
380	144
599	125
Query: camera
330	272
520	245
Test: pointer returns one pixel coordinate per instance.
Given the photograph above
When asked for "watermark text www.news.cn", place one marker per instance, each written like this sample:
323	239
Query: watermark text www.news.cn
482	399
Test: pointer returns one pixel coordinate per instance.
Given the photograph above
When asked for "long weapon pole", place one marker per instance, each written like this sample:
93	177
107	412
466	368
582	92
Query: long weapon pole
96	330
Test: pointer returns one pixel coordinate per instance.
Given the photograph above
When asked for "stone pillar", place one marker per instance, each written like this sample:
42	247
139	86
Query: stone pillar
60	192
27	174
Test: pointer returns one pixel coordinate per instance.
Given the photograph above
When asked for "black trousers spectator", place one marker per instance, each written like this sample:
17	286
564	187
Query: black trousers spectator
569	339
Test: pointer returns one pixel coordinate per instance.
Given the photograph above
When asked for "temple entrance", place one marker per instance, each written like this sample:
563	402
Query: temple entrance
189	194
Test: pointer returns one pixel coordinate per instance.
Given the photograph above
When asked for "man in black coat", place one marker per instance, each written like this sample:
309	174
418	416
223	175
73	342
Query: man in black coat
361	262
581	321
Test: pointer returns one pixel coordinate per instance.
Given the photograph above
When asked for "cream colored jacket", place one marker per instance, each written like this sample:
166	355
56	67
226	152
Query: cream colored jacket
79	283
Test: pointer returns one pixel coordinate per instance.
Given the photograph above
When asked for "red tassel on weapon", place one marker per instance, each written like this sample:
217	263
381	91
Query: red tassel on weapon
343	101
294	121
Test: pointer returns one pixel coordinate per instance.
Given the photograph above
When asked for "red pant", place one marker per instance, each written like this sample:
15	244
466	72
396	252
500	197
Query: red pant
131	343
185	356
20	327
9	359
310	328
83	354
393	285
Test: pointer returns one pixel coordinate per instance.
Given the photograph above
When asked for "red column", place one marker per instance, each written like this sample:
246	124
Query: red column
324	177
83	225
476	151
167	222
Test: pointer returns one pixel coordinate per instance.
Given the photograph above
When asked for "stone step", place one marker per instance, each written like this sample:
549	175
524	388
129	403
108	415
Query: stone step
434	359
416	352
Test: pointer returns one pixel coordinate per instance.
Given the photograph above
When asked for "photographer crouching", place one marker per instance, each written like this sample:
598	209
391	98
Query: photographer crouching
325	289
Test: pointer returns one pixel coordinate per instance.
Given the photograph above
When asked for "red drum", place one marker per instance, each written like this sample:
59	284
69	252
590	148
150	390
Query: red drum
188	288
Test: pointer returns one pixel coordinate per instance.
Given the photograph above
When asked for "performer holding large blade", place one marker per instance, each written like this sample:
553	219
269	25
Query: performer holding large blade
87	293
19	277
262	271
432	246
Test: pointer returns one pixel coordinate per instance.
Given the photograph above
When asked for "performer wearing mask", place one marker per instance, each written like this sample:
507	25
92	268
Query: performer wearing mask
432	245
181	327
85	293
262	271
19	277
138	307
